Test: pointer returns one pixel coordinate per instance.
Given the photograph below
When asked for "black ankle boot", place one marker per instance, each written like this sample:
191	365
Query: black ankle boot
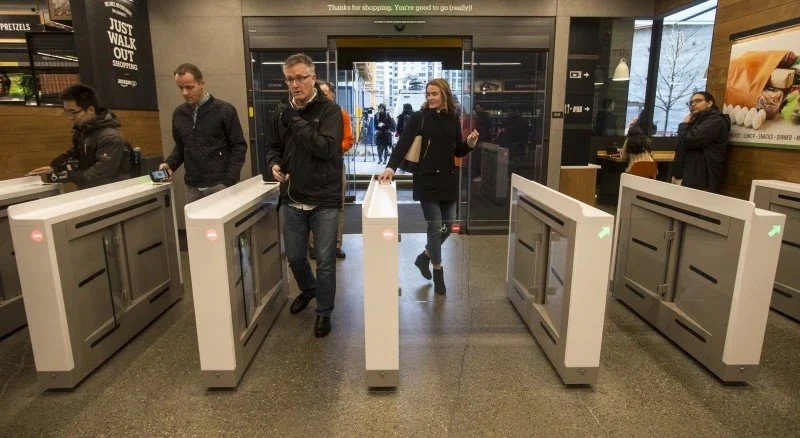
438	282
422	263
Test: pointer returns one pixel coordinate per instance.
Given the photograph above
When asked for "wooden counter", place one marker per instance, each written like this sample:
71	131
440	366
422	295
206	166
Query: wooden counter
658	156
611	167
579	182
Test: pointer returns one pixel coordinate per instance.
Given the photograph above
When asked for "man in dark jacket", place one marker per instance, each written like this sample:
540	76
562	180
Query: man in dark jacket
402	118
303	140
702	145
208	137
99	155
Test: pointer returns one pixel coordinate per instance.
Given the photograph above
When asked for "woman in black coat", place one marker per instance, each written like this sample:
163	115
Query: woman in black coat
384	125
702	144
435	183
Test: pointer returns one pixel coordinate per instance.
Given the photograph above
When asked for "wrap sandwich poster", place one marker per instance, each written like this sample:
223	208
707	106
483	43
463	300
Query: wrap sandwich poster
761	94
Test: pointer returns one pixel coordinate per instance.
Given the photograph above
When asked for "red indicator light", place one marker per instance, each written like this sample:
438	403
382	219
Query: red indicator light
211	235
37	236
456	228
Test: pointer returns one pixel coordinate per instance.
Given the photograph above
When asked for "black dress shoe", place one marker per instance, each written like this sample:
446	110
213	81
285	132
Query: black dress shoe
300	303
340	254
322	326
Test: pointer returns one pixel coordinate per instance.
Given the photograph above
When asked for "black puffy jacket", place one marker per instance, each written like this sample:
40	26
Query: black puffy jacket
212	149
702	146
308	150
102	155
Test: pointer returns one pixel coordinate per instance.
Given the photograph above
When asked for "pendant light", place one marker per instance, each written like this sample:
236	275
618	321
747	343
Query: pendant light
622	72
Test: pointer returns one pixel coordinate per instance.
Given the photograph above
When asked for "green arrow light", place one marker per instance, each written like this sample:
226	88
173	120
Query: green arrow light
776	229
605	231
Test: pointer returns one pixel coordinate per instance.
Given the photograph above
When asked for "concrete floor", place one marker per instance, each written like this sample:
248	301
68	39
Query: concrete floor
468	367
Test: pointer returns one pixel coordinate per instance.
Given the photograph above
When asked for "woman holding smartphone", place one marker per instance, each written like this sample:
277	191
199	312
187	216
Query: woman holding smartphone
435	183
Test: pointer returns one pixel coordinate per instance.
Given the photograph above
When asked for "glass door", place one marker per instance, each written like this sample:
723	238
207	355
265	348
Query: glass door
463	93
344	83
508	99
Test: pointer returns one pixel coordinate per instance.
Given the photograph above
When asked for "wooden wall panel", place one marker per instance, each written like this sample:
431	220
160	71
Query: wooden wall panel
32	136
744	164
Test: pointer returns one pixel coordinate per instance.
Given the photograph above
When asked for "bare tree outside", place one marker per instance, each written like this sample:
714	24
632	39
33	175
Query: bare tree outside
679	73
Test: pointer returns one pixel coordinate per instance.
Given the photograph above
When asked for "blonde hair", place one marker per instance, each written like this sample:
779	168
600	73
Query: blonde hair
448	102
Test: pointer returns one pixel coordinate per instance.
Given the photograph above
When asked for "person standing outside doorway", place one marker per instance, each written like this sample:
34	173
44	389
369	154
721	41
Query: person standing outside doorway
384	126
347	143
208	138
304	154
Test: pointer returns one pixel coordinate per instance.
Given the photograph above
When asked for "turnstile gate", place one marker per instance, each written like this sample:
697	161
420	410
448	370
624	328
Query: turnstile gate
96	266
15	191
559	252
783	197
700	268
381	280
239	275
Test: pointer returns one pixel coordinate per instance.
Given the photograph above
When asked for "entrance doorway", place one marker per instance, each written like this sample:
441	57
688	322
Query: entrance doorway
501	94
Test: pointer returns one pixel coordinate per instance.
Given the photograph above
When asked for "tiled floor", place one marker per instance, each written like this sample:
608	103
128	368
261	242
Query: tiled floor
468	367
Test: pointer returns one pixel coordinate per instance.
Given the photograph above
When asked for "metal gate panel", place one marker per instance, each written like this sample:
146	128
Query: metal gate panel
91	292
146	247
647	253
554	297
788	273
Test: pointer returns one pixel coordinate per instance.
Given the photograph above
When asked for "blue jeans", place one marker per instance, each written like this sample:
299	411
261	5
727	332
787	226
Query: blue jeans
296	225
440	216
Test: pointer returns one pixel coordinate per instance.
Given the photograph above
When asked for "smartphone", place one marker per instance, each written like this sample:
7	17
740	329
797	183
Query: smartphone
49	178
159	175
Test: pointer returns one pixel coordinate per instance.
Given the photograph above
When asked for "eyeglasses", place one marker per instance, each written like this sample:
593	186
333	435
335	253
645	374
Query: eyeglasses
694	102
290	81
72	112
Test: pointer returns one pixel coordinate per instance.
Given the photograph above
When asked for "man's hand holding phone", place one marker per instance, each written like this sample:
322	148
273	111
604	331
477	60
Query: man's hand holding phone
163	167
159	176
278	174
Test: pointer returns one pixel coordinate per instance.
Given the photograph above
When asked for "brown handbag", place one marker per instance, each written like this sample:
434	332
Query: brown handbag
411	160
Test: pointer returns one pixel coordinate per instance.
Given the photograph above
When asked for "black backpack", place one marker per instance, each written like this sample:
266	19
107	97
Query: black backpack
134	159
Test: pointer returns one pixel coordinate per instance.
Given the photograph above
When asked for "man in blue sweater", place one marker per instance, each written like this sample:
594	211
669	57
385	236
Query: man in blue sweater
208	138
